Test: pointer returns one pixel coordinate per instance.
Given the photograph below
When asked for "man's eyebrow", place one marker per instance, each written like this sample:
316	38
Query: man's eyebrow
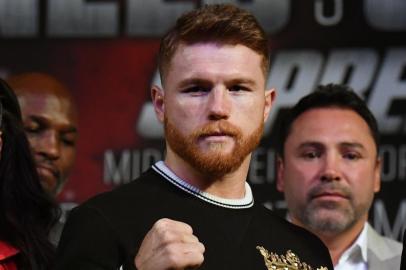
200	81
242	81
352	145
44	120
194	81
71	130
310	144
38	118
341	144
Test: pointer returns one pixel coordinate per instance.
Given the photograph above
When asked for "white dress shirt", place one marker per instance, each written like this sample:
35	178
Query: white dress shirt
355	257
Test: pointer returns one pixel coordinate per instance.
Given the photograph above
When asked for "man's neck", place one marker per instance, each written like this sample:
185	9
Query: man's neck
228	186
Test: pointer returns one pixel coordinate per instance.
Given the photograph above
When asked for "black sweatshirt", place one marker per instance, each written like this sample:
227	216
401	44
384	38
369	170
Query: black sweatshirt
106	231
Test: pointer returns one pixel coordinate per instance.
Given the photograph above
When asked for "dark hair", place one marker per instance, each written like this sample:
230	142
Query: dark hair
324	96
222	24
27	212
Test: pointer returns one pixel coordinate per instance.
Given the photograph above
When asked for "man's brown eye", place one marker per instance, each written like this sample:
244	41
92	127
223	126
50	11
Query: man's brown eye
196	89
236	88
351	156
311	155
33	128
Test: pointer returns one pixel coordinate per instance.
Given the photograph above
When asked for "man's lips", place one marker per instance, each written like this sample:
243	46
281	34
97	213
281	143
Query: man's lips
46	170
216	136
329	195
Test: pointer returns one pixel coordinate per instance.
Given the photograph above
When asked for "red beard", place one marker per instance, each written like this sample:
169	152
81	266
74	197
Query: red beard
212	163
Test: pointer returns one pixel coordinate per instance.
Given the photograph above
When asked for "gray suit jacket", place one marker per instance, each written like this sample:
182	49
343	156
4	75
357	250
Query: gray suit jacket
383	252
403	263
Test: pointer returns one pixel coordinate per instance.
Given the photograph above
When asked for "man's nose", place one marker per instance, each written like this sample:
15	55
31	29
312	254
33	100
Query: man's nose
219	103
50	145
330	169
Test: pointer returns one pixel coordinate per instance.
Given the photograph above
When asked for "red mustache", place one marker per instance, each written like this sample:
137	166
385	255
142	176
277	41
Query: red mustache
219	128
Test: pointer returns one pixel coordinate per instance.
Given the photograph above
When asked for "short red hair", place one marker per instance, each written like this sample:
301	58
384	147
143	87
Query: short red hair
222	24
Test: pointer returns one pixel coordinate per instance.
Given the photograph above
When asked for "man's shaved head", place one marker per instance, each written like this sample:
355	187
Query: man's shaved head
50	121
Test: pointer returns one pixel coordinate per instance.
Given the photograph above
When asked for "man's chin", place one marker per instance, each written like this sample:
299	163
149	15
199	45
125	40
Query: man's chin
329	220
48	184
216	163
217	152
47	187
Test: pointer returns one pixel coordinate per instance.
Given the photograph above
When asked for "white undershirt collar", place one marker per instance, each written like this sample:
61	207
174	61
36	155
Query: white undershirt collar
243	203
356	254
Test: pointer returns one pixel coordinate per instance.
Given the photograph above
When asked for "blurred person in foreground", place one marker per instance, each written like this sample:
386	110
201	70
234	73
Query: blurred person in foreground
50	122
195	208
329	171
27	212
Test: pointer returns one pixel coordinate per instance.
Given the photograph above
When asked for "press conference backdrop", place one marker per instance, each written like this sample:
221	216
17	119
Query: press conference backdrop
105	51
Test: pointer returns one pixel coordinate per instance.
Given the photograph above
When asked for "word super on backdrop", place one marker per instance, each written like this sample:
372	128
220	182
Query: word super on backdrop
105	51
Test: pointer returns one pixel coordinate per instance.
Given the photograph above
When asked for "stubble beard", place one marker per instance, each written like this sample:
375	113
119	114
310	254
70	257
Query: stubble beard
213	162
331	217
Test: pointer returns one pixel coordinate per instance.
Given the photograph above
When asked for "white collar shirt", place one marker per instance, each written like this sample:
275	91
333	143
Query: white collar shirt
355	257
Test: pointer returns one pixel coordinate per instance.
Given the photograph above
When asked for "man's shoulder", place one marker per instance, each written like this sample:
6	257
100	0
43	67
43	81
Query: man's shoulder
383	247
282	236
123	201
126	193
119	211
270	218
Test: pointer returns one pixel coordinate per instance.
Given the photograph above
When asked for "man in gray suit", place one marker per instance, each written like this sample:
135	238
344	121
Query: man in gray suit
329	171
403	263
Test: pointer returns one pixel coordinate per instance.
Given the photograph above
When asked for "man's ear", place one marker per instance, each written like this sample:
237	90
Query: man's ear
280	171
158	100
269	100
377	177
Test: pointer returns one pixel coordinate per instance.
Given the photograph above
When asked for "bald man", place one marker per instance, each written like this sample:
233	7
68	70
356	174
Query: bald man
50	121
